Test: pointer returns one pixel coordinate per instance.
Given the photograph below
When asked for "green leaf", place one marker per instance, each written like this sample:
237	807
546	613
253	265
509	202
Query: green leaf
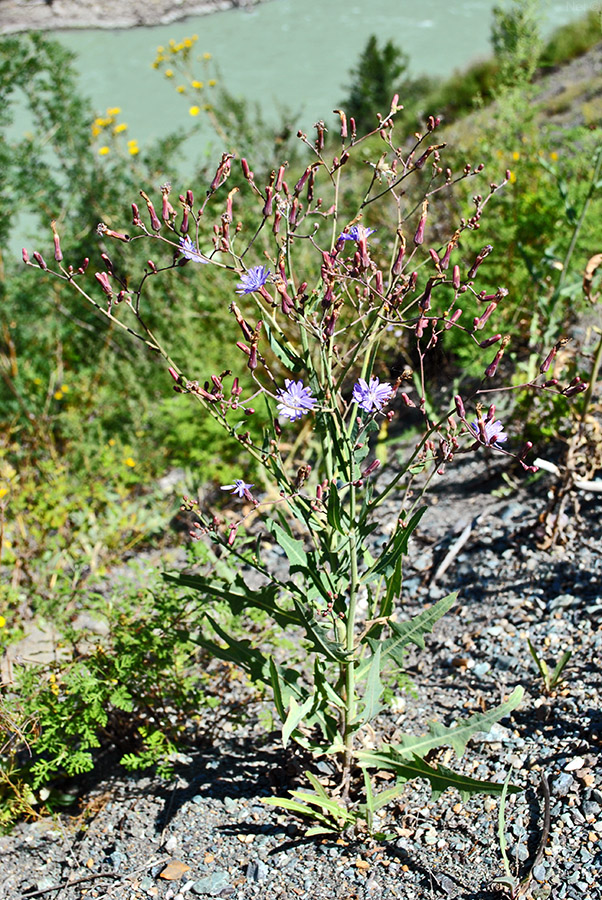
293	548
284	686
334	513
440	777
411	632
318	634
458	735
283	349
374	688
560	667
239	652
295	716
239	601
397	547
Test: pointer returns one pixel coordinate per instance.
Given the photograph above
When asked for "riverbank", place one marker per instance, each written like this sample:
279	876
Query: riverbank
53	15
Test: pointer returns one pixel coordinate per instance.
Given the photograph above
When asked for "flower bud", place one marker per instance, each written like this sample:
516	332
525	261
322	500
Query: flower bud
25	255
453	319
456	278
461	411
58	255
419	236
103	280
398	264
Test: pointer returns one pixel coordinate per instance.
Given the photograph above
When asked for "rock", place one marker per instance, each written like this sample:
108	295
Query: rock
212	885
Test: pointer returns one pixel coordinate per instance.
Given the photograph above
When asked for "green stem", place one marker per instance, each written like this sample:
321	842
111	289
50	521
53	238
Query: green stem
350	693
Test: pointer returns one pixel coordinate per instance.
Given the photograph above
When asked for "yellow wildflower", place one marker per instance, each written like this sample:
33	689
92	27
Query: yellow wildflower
119	128
512	178
195	37
172	42
169	73
58	395
130	462
187	43
194	110
102	151
111	442
206	56
212	83
133	148
160	49
553	156
114	111
2	621
181	89
3	493
95	131
64	388
516	155
197	85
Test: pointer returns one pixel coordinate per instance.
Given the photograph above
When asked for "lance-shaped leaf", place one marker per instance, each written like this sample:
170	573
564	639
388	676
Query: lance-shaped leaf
458	735
374	688
295	716
284	686
440	777
336	515
318	633
239	601
397	547
239	652
283	349
411	632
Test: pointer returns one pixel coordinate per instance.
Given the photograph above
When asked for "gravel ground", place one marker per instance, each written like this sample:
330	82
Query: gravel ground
51	15
206	833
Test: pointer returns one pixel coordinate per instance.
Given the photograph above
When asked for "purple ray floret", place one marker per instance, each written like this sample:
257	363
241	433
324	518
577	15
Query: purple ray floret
356	232
371	396
494	432
252	280
240	488
295	400
189	250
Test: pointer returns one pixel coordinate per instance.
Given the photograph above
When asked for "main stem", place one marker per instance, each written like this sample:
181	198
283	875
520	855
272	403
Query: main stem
350	694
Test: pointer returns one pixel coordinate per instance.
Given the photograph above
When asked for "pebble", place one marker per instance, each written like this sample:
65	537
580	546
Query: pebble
212	885
563	783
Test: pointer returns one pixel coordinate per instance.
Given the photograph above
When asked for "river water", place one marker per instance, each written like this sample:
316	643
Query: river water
292	52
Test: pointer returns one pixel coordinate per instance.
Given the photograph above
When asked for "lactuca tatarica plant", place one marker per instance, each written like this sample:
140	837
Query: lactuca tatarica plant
322	303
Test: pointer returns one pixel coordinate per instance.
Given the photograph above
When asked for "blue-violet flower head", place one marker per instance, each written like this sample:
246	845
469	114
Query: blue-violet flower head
252	280
295	400
240	488
371	396
494	432
356	232
189	250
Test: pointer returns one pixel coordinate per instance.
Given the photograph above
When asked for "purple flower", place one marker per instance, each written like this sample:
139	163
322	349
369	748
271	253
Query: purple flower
252	280
295	400
494	432
371	396
356	232
189	250
240	488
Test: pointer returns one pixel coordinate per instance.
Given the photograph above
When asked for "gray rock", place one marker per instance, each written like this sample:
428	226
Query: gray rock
212	885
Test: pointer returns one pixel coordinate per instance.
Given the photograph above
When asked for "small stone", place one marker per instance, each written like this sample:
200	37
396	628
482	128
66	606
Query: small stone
257	871
174	870
563	784
211	885
577	763
539	872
